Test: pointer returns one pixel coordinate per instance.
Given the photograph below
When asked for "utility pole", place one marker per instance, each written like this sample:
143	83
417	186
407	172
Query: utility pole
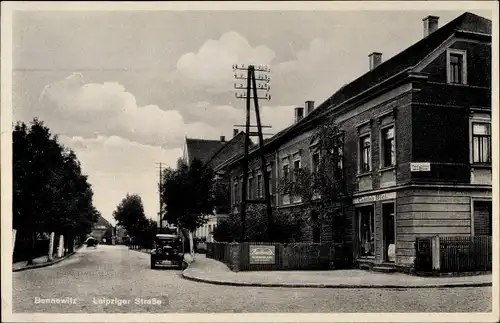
252	88
160	189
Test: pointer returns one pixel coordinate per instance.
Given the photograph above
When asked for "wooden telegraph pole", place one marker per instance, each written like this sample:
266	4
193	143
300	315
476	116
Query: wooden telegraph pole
252	88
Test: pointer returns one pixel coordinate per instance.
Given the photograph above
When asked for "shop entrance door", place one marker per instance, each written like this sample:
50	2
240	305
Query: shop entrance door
389	233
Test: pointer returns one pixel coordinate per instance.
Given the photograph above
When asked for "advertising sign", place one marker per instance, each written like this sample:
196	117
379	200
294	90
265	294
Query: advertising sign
420	167
262	254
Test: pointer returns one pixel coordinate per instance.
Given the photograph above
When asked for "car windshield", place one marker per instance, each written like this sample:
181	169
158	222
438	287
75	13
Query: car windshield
167	242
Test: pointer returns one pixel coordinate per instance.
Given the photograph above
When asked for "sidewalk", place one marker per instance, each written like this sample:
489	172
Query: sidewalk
211	271
40	262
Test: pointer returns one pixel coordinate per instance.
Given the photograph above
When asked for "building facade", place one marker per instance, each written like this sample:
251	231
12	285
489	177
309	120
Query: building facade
212	153
417	145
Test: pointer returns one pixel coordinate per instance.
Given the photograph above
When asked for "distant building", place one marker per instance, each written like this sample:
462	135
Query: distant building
100	227
212	153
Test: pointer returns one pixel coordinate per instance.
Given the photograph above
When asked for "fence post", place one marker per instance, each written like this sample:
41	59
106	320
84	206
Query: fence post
51	246
235	256
14	232
436	254
61	246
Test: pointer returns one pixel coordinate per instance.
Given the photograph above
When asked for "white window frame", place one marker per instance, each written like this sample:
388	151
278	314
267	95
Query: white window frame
360	153
479	118
382	143
463	53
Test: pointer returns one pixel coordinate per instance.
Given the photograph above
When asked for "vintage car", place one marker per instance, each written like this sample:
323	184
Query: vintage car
91	242
167	251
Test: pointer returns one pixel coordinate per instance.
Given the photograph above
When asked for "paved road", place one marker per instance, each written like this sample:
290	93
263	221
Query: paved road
91	276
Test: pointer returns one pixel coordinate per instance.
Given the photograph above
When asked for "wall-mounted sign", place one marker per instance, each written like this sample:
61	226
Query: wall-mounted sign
420	167
262	254
374	198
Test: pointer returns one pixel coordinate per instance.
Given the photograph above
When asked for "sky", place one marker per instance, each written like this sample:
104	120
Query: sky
124	88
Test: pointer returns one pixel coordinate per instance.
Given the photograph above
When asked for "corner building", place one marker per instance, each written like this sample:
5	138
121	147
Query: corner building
417	145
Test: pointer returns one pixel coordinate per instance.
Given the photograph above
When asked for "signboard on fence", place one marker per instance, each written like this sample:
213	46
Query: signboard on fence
260	254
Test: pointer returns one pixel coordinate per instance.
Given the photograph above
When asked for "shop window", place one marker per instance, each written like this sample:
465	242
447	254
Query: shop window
388	147
481	142
366	231
365	154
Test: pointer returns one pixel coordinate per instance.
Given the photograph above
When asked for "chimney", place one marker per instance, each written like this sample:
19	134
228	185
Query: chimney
430	25
309	106
375	60
222	139
299	114
235	132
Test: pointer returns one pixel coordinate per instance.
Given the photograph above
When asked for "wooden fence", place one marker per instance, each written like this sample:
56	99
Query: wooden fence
278	256
455	254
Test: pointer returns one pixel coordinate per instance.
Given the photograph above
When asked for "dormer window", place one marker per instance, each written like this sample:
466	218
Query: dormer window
456	61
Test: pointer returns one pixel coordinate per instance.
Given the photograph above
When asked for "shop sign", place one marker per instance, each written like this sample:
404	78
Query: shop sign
262	254
420	167
374	198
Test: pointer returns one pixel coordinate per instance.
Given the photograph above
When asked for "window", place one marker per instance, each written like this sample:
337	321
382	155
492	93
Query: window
365	154
259	185
457	66
388	148
340	155
482	218
366	236
315	162
235	191
481	142
296	166
250	187
285	171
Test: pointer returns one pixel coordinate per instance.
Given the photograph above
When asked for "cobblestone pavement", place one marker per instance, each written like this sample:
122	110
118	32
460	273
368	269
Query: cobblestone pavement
92	277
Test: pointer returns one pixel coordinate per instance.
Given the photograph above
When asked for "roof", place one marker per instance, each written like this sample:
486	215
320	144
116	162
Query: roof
224	153
101	221
408	58
405	60
202	149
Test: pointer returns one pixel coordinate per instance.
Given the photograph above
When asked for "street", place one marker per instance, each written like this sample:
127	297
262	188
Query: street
113	279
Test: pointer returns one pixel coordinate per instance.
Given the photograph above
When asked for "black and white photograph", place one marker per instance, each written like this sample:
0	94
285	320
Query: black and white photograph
166	159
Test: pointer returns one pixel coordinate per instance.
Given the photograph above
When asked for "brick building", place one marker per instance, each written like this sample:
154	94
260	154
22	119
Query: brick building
417	147
212	153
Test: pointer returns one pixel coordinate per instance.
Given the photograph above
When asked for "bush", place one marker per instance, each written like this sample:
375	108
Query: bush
287	227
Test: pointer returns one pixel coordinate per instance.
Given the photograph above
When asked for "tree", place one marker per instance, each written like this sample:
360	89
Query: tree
188	194
287	227
50	192
322	188
130	214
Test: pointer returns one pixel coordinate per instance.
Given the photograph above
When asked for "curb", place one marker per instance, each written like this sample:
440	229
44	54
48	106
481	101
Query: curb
245	284
45	264
338	286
